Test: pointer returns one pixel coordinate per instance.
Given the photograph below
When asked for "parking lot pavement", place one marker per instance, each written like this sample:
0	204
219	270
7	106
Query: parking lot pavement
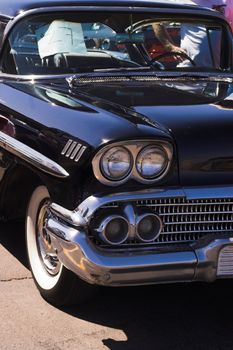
187	317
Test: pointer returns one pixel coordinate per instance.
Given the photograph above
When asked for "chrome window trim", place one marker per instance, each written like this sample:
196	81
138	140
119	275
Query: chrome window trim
134	147
114	8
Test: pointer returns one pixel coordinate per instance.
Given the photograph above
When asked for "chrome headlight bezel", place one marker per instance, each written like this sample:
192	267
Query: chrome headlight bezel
134	147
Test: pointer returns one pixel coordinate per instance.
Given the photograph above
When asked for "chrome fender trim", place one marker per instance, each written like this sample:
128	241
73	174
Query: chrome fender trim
31	156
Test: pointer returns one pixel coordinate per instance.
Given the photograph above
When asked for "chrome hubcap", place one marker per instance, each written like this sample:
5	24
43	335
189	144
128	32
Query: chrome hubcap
46	250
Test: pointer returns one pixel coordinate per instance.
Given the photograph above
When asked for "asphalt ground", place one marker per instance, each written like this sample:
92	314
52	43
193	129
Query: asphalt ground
186	316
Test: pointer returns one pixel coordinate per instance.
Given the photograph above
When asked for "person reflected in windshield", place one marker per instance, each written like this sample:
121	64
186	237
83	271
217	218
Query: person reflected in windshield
195	40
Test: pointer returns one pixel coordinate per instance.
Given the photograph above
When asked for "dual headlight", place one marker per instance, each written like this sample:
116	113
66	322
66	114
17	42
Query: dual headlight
144	162
117	162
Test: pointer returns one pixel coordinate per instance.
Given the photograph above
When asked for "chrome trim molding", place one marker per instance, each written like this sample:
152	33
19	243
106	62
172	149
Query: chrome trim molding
72	217
155	9
202	262
134	147
31	156
73	150
208	259
156	234
225	262
95	267
102	229
77	253
84	212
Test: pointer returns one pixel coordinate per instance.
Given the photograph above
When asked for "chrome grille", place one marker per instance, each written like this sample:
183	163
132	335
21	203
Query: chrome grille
186	221
191	219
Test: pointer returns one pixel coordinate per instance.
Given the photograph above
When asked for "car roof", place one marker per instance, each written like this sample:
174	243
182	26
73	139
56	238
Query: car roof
12	8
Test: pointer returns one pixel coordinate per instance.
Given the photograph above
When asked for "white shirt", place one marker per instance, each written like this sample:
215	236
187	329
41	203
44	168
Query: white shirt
228	10
194	39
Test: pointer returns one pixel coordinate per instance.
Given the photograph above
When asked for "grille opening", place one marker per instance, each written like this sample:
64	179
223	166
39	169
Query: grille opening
184	221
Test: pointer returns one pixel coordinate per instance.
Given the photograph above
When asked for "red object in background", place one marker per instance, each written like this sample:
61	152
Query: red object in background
226	8
229	12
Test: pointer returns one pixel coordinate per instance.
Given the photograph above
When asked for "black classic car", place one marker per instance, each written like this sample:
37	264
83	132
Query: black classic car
120	162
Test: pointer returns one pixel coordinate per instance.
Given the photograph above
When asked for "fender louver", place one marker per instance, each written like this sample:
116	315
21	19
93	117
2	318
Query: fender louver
73	150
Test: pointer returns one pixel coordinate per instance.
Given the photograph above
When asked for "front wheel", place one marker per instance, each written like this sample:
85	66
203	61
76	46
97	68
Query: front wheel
56	284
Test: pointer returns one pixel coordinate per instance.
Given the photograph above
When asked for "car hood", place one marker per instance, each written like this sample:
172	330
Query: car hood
198	115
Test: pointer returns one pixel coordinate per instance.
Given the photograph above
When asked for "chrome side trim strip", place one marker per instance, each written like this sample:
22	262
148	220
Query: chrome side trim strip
31	156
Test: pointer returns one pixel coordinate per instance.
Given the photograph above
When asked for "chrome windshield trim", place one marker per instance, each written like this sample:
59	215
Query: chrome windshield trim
31	156
169	10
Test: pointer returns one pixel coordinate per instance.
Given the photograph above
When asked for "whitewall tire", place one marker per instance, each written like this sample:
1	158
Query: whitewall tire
56	284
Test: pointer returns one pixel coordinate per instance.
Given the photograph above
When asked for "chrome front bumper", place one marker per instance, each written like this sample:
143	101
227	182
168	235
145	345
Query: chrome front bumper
68	232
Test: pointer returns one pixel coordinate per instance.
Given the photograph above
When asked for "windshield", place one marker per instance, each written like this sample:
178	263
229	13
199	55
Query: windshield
90	42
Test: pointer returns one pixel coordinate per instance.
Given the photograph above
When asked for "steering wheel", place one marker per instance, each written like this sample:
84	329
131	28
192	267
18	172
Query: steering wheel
173	53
